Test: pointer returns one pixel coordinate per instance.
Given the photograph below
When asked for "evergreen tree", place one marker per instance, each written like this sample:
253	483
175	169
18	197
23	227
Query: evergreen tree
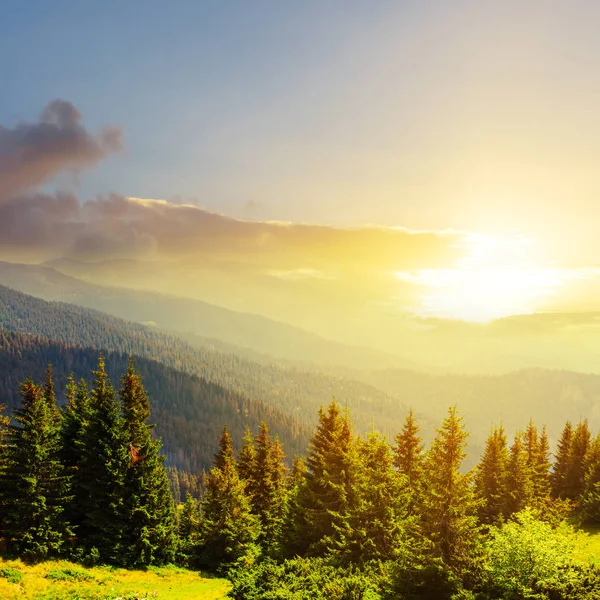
104	465
75	416
449	505
561	463
34	482
229	529
173	474
189	526
267	484
148	505
380	520
327	495
541	473
490	478
4	422
531	446
246	461
297	472
574	480
590	498
49	394
408	453
519	492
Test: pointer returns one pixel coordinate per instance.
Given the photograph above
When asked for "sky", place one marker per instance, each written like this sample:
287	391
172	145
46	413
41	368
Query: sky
473	123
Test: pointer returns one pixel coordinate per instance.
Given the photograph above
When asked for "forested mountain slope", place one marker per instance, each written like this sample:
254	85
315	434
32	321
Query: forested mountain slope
549	397
189	411
190	316
293	391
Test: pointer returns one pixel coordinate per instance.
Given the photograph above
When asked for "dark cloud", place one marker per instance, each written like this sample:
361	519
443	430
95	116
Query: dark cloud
31	154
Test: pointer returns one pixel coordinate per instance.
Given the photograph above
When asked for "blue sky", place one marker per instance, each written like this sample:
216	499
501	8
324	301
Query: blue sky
424	114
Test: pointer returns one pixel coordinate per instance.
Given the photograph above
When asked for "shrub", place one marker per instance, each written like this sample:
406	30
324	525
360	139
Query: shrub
11	574
69	574
301	579
528	558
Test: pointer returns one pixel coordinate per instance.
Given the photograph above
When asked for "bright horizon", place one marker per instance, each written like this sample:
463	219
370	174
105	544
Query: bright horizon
383	175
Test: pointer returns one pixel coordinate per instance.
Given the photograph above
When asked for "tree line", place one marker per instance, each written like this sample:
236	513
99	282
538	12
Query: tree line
367	519
357	517
85	481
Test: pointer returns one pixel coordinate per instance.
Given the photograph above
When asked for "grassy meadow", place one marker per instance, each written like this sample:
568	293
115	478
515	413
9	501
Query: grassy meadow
62	580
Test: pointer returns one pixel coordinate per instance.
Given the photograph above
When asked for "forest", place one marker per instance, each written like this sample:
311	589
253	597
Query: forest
355	517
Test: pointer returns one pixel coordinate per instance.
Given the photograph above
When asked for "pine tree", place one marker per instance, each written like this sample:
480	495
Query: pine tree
449	506
279	475
267	485
75	416
561	463
246	461
34	481
189	527
327	495
490	478
574	480
49	394
541	477
408	453
104	464
530	446
590	498
229	529
149	537
297	472
380	520
519	493
173	474
4	422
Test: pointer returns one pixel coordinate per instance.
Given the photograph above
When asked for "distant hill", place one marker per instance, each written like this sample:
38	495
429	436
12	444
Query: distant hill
295	392
377	398
549	397
189	411
190	316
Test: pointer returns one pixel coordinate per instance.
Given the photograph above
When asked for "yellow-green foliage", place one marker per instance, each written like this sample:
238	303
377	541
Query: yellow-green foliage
61	580
588	545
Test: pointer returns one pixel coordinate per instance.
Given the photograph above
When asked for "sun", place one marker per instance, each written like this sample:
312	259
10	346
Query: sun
497	279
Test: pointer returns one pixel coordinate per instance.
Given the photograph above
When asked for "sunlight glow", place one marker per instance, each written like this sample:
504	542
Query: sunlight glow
497	279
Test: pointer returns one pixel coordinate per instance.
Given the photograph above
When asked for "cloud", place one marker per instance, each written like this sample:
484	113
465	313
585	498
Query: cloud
31	154
40	226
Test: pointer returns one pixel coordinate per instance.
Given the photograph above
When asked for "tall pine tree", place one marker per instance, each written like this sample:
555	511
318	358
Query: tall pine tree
266	484
104	465
327	494
246	460
561	462
574	481
148	505
449	505
490	477
380	521
519	492
408	453
229	529
34	482
74	420
589	506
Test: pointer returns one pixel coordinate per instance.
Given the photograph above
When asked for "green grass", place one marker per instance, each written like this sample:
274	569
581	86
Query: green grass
588	544
62	580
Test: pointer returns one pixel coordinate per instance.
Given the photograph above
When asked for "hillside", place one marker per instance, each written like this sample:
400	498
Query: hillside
190	316
189	411
376	397
549	397
295	392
